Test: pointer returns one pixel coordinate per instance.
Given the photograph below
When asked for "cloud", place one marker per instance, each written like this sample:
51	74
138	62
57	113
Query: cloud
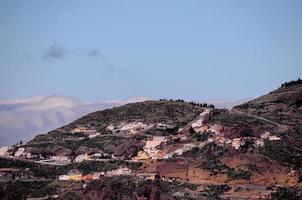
22	119
55	52
94	53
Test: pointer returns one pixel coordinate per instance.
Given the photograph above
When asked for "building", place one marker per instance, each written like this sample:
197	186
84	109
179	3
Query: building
79	129
120	171
74	172
97	175
237	143
128	128
93	135
64	177
75	175
188	147
266	135
22	152
142	155
148	175
216	128
163	126
88	177
60	159
180	151
273	137
81	158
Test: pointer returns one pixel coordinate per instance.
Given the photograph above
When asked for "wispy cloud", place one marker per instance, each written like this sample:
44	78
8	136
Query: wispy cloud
94	53
55	51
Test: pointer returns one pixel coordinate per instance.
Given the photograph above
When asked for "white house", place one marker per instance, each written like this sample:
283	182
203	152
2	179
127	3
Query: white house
237	143
93	135
60	159
64	177
120	171
81	158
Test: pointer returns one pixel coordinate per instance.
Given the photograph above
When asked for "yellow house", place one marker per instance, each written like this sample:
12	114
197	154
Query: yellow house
75	177
142	155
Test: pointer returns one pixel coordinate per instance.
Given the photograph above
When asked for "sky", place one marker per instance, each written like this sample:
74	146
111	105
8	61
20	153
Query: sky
194	49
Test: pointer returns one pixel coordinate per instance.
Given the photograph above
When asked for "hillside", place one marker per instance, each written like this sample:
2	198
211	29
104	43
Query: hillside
283	105
170	150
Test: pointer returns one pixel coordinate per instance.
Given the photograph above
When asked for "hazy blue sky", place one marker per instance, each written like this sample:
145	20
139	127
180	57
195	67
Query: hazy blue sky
159	49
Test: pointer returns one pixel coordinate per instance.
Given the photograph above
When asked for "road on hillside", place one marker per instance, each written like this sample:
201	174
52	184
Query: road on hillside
281	127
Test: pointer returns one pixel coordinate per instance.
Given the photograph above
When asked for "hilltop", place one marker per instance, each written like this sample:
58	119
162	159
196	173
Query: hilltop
283	105
171	150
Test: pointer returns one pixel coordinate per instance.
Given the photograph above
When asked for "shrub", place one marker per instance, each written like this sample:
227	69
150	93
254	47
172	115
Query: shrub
234	174
214	191
285	193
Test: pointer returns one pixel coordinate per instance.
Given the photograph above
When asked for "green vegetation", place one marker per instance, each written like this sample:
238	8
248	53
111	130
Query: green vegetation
201	136
214	166
34	189
234	174
290	83
284	152
214	191
285	193
243	121
193	153
54	136
23	190
251	167
176	112
204	105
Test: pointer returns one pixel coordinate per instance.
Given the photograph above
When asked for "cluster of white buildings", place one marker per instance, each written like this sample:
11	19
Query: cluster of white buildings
199	127
96	156
22	152
136	127
266	136
57	160
128	128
